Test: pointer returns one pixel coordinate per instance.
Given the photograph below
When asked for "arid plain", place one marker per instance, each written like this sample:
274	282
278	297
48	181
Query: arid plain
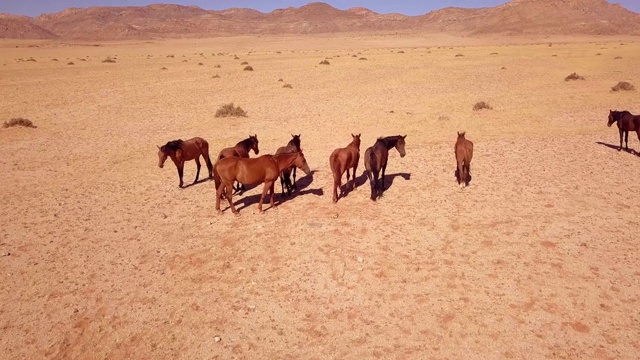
103	256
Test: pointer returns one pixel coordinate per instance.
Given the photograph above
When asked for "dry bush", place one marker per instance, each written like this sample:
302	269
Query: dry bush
494	53
31	59
503	68
598	54
218	66
280	79
481	105
235	57
278	52
363	58
216	76
401	52
170	56
184	60
554	55
459	55
248	68
70	63
200	64
228	110
81	59
325	62
617	58
108	60
54	59
573	76
354	55
623	86
244	63
443	117
288	86
163	68
18	122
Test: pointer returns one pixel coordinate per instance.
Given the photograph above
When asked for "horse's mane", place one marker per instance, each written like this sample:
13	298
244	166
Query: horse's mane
173	145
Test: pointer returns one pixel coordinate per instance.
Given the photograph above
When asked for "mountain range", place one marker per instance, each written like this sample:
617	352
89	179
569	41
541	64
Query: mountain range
517	17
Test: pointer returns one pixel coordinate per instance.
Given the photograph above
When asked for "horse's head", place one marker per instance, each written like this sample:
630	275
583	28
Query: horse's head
254	143
356	140
301	163
613	117
162	155
400	145
295	141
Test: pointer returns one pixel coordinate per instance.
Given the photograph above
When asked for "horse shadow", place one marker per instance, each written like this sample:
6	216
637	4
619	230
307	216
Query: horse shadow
456	175
363	179
200	181
303	189
617	148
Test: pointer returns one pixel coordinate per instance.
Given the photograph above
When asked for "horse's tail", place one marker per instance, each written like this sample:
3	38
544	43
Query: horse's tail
216	177
373	166
335	169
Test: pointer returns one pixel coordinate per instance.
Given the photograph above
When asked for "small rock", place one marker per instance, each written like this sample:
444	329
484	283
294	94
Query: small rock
217	339
360	259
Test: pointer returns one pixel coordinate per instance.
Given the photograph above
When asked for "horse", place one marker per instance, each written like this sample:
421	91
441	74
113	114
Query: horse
264	169
241	149
184	150
285	177
464	152
341	160
375	159
626	122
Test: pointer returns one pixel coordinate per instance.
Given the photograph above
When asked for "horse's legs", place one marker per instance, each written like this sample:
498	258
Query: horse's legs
348	175
180	169
294	178
282	183
198	167
621	133
229	194
461	175
219	191
372	182
353	184
626	140
271	188
337	178
264	194
384	169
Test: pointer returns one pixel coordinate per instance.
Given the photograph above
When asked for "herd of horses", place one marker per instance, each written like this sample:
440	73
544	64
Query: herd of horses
234	168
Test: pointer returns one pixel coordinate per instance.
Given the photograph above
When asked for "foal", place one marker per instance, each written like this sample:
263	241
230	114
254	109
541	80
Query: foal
375	159
180	151
464	152
285	177
342	160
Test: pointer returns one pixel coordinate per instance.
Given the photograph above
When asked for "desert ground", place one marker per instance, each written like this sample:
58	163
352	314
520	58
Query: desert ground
104	257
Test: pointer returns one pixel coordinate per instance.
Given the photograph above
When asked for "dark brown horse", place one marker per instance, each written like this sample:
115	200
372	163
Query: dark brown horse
626	122
342	160
285	177
241	150
180	151
264	169
375	160
464	152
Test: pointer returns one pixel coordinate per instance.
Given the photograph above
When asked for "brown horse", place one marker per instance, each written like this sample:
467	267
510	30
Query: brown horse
285	177
342	160
180	151
626	122
264	169
375	159
241	150
464	152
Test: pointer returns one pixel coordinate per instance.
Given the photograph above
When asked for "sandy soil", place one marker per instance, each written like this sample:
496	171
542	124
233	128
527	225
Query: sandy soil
103	256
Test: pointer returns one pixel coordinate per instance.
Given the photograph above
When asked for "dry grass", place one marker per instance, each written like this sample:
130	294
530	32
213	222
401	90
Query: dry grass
623	86
617	58
248	68
163	68
325	62
109	60
18	122
573	76
244	63
459	55
363	58
482	105
217	66
288	86
229	110
400	52
200	64
216	76
70	63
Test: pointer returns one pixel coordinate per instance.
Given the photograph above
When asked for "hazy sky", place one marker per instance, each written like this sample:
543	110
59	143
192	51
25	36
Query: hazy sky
409	7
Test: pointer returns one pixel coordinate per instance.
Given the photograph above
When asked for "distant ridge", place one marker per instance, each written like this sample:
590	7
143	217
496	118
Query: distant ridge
517	17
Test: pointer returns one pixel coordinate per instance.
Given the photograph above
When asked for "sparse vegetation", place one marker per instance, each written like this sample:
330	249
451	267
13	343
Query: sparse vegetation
170	56
18	122
248	68
573	76
623	86
280	79
554	55
617	58
235	57
31	59
354	55
288	86
598	54
54	59
200	64
228	110
401	52
163	68
108	60
325	62
459	55
363	58
244	63
216	76
218	66
70	63
482	105
494	53
443	117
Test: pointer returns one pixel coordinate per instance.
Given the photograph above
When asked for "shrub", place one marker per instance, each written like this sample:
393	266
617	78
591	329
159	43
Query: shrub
288	86
31	59
623	86
459	55
170	56
248	68
163	68
228	110
54	59
81	59
235	57
401	52
218	66
18	122
481	105
354	55
617	58
216	76
108	60
363	58
200	64
554	55
598	54
325	62
244	63
70	63
494	53
573	76
280	79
